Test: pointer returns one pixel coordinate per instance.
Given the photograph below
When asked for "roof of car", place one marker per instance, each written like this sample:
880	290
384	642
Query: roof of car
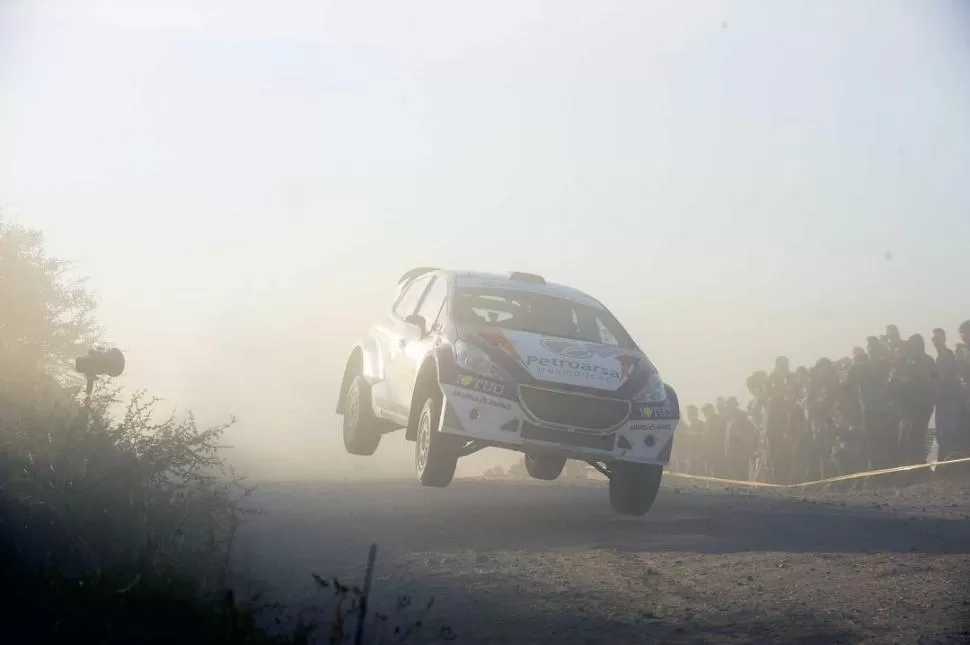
497	280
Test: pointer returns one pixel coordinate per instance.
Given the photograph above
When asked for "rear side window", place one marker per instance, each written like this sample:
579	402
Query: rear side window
409	300
433	301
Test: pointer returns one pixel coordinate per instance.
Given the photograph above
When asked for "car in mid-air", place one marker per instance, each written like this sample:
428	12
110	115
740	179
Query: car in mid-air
464	360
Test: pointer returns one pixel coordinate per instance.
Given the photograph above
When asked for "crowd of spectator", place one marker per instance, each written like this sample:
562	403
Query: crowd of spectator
870	410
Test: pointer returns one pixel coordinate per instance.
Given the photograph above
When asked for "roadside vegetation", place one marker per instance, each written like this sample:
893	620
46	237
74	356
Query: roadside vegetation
116	525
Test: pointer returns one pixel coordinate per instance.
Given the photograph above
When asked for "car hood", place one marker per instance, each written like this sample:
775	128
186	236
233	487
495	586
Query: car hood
566	361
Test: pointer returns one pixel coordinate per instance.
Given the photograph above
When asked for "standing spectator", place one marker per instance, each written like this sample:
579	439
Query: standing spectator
780	446
963	354
894	341
757	385
879	422
778	380
951	421
694	458
849	403
720	406
715	440
912	381
742	441
824	390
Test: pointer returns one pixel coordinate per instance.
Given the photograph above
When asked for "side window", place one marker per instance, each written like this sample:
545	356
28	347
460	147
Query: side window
408	301
433	300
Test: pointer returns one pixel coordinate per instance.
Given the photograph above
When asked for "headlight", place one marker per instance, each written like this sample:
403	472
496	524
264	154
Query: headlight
652	392
475	360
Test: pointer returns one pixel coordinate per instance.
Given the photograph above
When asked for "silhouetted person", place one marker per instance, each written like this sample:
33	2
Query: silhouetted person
951	421
778	380
850	404
963	355
720	405
894	340
779	438
879	421
742	441
757	385
912	383
821	400
716	428
799	383
695	460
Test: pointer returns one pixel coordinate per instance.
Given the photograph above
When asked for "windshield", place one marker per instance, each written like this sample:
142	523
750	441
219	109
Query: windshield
541	314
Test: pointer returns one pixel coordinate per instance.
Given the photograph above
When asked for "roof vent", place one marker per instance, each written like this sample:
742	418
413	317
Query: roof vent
530	278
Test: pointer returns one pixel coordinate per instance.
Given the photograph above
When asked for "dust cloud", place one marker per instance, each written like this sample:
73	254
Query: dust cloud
274	361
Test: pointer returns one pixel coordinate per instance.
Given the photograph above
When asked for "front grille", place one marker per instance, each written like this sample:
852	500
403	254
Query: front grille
567	437
573	410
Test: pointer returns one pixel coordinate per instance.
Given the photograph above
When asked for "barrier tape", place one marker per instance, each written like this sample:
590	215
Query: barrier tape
932	465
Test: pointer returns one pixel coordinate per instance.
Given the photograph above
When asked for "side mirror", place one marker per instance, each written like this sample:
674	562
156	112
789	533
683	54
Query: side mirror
419	322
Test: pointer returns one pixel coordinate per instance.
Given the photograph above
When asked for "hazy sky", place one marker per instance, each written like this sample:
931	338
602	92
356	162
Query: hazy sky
237	176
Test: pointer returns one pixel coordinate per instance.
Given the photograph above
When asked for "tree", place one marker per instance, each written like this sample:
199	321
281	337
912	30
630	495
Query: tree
45	313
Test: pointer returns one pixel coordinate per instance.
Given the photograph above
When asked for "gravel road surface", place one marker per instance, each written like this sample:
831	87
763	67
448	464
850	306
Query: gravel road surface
549	562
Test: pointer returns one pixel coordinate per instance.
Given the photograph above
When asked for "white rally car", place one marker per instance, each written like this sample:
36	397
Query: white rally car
463	361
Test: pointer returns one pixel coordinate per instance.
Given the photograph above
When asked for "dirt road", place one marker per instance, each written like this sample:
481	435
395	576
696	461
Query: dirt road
549	562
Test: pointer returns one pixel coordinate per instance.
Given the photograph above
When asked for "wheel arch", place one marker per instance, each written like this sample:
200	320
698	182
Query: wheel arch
365	360
355	366
673	400
426	381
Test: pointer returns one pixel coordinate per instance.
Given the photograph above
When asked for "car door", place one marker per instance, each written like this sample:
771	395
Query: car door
396	335
416	344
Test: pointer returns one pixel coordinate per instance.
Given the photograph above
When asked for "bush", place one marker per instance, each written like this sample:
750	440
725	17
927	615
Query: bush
116	528
102	517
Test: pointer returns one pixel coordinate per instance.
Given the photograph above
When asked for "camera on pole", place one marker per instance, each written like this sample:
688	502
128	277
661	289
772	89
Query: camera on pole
99	362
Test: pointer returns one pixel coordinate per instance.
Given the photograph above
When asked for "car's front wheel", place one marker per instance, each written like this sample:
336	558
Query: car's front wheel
633	487
435	454
361	429
543	467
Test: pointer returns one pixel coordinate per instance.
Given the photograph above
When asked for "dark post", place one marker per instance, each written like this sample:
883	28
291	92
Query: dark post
107	362
371	557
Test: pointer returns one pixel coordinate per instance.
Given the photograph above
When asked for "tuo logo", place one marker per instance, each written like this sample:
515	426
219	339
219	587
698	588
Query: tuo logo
483	385
576	349
655	413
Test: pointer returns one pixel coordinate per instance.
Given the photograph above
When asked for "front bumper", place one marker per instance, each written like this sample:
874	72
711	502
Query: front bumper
497	417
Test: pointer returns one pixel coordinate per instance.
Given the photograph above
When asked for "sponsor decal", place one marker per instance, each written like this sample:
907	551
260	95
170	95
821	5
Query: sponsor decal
627	363
652	427
654	413
499	339
576	349
573	368
483	385
481	398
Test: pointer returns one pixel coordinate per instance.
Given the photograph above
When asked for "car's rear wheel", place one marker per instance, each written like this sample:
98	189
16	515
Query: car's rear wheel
633	487
435	454
361	429
544	467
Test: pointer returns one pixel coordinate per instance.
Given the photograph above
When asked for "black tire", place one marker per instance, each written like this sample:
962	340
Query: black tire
435	454
633	487
361	429
543	467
